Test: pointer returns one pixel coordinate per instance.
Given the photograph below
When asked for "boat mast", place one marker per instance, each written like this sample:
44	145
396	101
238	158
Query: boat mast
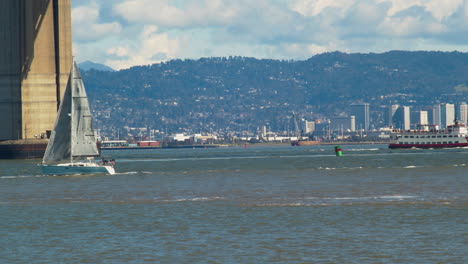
72	80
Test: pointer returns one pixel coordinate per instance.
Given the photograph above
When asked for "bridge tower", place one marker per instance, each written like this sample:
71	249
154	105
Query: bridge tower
35	61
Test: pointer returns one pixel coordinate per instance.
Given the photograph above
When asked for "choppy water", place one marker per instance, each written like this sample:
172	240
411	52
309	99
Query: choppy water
234	205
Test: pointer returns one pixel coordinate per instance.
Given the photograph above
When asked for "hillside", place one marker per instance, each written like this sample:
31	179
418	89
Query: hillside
89	65
239	93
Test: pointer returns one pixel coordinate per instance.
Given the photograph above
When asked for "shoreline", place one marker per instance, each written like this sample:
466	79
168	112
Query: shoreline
237	145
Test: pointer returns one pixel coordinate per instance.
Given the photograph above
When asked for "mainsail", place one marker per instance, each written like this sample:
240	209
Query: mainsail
73	135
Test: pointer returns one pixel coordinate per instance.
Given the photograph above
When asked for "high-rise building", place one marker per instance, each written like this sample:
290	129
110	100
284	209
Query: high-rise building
399	117
405	117
263	132
390	116
437	115
309	127
362	115
420	118
35	62
353	123
443	115
462	113
343	124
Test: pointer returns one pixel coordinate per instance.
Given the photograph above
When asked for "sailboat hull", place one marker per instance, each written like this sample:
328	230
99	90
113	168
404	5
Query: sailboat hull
76	168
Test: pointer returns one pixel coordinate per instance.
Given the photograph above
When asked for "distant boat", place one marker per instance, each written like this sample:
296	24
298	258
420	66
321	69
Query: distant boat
307	142
431	137
73	137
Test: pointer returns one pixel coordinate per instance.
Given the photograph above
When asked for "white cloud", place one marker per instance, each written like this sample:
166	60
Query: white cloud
194	13
118	51
439	9
86	26
123	33
316	7
300	51
150	44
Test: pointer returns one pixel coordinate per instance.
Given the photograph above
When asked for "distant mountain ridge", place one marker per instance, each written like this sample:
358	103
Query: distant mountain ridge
239	93
89	65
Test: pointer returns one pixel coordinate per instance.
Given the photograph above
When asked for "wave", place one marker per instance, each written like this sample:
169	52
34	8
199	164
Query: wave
362	149
380	197
360	200
298	204
22	176
193	159
129	200
194	199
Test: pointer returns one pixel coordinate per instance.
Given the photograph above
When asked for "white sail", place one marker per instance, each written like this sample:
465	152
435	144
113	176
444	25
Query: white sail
59	146
83	143
73	135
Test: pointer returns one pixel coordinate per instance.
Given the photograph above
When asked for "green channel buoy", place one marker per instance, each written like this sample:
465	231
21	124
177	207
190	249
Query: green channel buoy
338	151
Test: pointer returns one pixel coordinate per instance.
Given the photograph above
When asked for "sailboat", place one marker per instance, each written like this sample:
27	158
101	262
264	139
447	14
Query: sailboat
72	146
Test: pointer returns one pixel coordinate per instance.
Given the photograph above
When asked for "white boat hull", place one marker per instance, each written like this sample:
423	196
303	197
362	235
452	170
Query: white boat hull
76	168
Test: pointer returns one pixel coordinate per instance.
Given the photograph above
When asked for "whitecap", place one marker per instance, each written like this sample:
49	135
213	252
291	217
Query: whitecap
195	199
399	197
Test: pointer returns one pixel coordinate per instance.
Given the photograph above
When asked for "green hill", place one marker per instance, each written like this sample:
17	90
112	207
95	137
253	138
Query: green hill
239	93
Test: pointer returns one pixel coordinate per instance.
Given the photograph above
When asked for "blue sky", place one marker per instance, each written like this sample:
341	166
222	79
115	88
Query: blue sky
125	33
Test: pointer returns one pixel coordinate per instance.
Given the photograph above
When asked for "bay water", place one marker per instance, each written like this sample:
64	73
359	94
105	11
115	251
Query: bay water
261	204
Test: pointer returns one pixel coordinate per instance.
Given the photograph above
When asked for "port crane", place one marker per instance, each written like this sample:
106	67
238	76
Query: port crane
296	126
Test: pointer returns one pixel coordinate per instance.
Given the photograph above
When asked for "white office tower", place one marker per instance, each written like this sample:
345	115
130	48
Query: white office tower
390	117
263	131
443	115
343	124
463	113
309	127
422	118
399	117
405	117
362	115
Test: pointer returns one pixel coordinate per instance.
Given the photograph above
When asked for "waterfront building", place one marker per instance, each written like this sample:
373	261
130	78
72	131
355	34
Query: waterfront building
443	115
462	113
362	116
309	127
391	111
399	117
420	118
263	132
343	124
404	117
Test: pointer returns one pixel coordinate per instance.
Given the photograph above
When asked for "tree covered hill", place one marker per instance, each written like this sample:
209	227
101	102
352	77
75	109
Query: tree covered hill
241	93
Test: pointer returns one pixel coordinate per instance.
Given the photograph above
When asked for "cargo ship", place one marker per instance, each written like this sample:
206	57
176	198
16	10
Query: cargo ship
429	136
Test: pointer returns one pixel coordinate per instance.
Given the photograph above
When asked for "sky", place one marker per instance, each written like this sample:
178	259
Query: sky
126	33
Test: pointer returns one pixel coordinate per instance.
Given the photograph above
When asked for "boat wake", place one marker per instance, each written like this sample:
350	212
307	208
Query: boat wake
127	173
359	201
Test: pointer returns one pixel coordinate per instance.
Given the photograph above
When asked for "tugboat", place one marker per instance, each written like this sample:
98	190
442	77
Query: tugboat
430	136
